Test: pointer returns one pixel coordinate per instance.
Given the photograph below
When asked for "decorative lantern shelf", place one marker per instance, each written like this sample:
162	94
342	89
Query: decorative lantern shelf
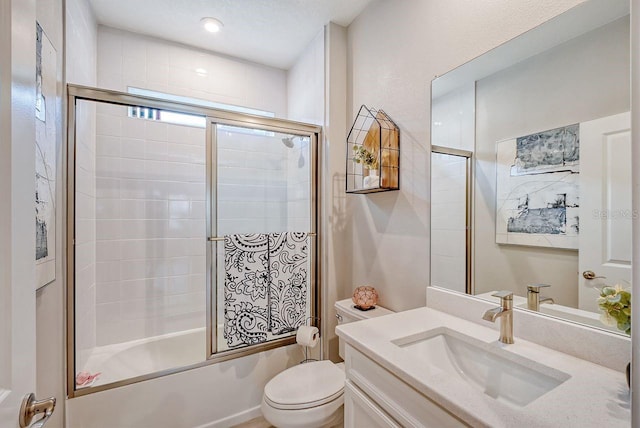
373	153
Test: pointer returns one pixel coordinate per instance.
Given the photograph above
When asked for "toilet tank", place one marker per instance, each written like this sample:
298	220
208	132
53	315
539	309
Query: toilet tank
346	313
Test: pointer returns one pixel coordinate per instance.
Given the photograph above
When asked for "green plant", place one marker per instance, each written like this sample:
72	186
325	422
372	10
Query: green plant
615	302
365	157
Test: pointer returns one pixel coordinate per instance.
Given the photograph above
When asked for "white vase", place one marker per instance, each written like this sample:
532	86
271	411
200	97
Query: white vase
372	180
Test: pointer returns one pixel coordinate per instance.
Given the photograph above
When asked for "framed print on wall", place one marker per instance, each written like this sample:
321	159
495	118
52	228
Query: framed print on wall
537	198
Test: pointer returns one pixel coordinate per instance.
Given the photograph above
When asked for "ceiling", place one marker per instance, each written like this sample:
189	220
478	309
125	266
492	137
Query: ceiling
271	32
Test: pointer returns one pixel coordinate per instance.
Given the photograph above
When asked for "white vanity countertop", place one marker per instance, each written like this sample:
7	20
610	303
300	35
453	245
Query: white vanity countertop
593	396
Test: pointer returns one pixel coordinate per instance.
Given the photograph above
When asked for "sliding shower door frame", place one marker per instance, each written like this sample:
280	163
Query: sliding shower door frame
469	160
312	132
213	118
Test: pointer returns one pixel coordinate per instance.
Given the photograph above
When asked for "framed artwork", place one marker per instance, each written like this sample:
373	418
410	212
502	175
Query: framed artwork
537	198
46	133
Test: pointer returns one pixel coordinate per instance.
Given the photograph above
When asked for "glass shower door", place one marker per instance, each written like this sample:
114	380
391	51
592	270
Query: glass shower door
140	223
262	225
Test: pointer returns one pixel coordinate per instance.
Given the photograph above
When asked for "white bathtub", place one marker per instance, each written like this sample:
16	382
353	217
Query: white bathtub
144	356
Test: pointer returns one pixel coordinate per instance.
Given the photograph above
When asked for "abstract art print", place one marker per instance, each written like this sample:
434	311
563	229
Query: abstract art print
46	133
537	179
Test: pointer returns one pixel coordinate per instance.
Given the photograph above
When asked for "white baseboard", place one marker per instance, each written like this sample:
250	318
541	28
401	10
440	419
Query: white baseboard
236	419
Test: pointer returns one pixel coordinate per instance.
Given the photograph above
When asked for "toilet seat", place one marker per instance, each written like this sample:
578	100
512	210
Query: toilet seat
305	386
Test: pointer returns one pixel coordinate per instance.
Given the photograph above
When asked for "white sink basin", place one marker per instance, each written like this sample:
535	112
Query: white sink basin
500	374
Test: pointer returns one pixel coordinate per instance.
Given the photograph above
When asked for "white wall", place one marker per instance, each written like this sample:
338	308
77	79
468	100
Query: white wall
395	49
580	80
81	62
635	153
50	320
305	84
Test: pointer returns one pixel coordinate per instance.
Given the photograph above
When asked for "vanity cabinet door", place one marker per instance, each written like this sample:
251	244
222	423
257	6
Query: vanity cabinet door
360	411
395	397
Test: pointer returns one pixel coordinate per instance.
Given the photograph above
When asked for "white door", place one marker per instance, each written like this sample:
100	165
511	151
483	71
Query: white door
17	209
605	206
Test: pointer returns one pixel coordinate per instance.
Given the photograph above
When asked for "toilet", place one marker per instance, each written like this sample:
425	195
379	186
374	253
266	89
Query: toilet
310	395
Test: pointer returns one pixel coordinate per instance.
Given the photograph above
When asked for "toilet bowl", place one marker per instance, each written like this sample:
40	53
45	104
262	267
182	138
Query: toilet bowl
311	395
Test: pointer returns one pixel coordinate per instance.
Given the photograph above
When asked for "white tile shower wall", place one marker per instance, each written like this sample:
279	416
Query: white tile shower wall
252	183
142	295
298	210
128	59
150	225
453	118
81	59
448	221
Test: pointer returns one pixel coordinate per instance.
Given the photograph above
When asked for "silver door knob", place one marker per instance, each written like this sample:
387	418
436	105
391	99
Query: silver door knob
31	407
589	274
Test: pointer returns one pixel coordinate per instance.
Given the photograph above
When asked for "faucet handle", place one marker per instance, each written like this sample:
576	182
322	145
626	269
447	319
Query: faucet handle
504	294
535	288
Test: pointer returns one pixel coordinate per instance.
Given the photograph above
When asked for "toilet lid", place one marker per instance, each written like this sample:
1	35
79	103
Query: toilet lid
305	385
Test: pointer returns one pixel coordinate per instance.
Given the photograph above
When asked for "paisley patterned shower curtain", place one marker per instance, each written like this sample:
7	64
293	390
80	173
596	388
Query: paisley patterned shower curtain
246	289
265	286
288	267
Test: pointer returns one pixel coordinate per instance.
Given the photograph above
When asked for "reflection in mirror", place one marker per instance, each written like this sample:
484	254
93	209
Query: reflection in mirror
546	119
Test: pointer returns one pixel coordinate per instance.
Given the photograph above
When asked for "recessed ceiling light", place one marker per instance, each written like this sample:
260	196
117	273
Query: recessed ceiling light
201	71
212	25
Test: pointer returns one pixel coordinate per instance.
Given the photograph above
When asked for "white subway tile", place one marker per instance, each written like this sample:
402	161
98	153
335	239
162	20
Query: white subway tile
111	81
198	228
157	209
132	169
108	146
180	77
107	187
108	292
108	251
179	209
108	167
197	265
108	271
198	210
133	128
106	313
157	52
179	229
132	209
134	68
155	248
108	229
133	269
107	124
157	268
156	150
133	248
197	246
133	148
178	247
157	170
134	229
133	189
156	131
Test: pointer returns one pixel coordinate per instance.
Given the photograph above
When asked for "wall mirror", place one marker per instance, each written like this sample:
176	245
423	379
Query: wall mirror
531	169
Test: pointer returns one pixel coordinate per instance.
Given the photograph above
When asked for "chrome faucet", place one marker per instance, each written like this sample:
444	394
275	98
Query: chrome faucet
534	298
505	313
